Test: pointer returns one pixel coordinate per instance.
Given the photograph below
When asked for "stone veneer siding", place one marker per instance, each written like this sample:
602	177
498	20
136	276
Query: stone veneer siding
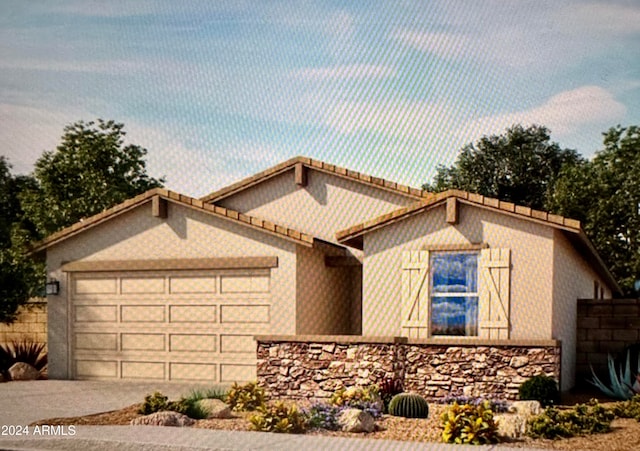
315	366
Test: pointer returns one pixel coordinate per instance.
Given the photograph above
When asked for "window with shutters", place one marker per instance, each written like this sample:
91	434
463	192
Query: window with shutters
454	293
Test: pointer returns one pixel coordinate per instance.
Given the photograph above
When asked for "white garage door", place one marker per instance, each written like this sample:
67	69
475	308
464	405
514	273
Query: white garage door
191	326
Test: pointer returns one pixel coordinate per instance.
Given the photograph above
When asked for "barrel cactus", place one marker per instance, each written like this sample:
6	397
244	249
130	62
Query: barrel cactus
409	405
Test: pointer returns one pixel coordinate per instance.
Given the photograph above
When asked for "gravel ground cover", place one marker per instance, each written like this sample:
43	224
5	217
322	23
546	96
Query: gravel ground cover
625	435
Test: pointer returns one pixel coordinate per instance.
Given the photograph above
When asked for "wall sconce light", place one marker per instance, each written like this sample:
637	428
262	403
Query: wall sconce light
52	287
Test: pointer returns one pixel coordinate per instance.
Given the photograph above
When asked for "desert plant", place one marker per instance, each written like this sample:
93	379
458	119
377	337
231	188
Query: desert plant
623	383
467	423
388	388
188	406
590	418
540	388
246	397
323	416
278	417
154	402
364	398
209	393
627	409
409	405
497	405
23	351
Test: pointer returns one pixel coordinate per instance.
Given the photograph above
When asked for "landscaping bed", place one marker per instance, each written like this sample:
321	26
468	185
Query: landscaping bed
624	435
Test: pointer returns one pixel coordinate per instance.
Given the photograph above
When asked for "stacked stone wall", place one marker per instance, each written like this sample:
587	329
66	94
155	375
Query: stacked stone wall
314	367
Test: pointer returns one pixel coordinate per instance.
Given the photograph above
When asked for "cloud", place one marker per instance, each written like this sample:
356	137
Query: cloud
396	117
26	131
444	45
114	67
601	18
563	114
346	72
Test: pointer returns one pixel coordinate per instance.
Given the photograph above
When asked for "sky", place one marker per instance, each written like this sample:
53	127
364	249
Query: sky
219	90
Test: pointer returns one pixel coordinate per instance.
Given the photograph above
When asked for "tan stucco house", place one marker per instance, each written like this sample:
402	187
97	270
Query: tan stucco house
168	287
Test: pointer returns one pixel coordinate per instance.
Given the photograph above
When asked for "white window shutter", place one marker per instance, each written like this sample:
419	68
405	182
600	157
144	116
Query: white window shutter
415	294
494	293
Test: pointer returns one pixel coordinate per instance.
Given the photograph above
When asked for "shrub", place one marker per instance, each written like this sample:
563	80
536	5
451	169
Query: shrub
154	403
209	393
540	388
590	418
388	389
467	423
246	397
280	418
409	405
627	409
497	405
323	416
188	406
363	398
623	384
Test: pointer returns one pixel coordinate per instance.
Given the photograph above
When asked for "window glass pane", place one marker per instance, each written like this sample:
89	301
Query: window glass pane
454	273
454	316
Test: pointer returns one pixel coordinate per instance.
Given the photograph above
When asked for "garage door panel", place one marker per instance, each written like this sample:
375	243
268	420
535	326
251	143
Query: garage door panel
97	368
142	285
232	343
143	342
142	313
244	284
143	370
193	314
244	314
100	285
232	372
193	371
96	313
193	284
93	341
192	342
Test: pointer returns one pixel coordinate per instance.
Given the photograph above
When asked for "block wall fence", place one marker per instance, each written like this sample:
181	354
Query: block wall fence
315	366
604	327
31	324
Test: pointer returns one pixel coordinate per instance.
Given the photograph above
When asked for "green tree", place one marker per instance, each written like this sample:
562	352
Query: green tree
519	166
91	170
20	276
604	194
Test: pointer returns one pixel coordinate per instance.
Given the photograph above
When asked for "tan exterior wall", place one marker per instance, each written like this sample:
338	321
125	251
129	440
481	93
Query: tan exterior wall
572	280
326	205
324	295
30	325
184	234
531	261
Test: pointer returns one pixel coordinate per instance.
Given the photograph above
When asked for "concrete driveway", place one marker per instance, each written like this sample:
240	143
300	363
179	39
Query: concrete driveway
24	402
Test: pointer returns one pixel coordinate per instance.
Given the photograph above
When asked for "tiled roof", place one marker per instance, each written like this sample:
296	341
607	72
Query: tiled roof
434	200
180	199
353	235
387	185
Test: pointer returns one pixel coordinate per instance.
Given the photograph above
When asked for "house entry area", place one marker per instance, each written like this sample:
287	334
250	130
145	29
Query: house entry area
162	325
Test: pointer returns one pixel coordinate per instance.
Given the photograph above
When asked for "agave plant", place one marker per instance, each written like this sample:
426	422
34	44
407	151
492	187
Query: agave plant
623	383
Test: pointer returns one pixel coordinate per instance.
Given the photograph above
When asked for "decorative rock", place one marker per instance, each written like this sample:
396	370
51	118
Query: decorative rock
163	418
356	420
511	425
21	371
526	408
216	408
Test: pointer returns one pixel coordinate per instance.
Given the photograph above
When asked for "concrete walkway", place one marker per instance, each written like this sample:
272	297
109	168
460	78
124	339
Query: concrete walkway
24	402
